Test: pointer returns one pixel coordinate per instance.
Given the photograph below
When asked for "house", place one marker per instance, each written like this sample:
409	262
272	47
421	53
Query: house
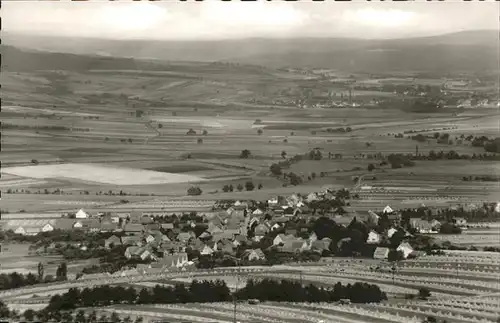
320	245
131	240
135	252
294	246
261	230
461	222
91	225
112	241
108	227
47	228
135	217
64	224
373	217
206	251
388	210
152	226
274	201
436	225
146	220
225	246
179	259
81	214
205	235
381	253
312	197
257	212
133	228
185	236
422	226
391	232
281	239
373	238
405	248
254	255
78	225
214	228
239	240
167	226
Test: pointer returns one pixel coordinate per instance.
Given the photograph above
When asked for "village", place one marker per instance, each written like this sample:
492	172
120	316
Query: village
232	233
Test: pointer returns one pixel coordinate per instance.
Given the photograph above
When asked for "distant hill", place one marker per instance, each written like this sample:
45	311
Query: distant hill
462	51
14	59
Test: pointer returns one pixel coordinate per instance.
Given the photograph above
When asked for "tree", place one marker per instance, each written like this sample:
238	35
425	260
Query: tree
199	141
371	167
80	317
4	310
194	190
275	169
395	255
160	125
29	315
225	189
139	320
130	140
239	187
283	154
249	186
191	132
92	318
40	271
62	272
260	186
114	317
424	293
205	132
245	153
294	179
259	132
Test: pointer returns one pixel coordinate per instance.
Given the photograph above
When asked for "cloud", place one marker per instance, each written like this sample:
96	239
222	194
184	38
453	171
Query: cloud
217	19
380	17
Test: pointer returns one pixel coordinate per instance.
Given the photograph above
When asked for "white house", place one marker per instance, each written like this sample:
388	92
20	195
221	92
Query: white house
257	212
388	210
47	228
405	248
20	230
273	201
373	238
78	225
391	232
81	214
206	250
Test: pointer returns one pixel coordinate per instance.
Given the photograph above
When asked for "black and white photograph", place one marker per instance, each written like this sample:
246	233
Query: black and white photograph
250	161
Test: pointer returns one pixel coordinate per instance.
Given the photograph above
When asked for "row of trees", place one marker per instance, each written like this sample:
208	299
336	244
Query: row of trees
17	280
249	186
213	291
294	291
66	317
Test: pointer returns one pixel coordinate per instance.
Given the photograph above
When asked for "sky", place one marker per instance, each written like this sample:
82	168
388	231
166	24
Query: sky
214	19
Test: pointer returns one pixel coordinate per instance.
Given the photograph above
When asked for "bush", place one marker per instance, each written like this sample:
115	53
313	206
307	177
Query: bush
194	190
249	186
424	293
275	169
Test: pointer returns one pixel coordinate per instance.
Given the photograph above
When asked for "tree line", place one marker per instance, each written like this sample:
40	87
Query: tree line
293	291
213	291
17	280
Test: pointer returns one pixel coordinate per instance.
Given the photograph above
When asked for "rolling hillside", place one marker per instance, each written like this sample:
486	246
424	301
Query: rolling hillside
463	51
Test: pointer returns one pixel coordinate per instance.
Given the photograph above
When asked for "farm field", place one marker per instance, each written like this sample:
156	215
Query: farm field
465	294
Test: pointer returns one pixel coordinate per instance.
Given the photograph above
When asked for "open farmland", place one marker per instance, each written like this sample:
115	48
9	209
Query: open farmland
465	294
